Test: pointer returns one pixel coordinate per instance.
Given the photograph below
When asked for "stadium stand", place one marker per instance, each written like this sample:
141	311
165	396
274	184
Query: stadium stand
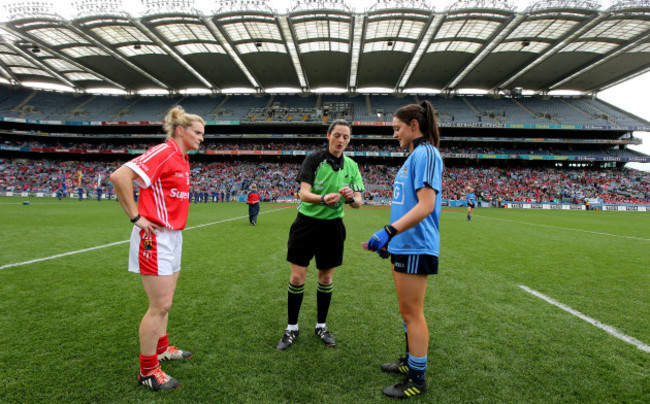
281	108
479	149
612	114
12	100
448	150
150	108
275	180
100	108
240	107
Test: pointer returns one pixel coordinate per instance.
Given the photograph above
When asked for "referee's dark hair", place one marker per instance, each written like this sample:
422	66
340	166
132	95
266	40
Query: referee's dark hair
426	117
342	122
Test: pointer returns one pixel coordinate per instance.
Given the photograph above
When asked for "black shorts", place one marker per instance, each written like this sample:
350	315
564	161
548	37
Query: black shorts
415	264
311	237
470	205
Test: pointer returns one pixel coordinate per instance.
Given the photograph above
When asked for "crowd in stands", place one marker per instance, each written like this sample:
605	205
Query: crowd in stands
550	185
40	175
277	180
305	145
208	144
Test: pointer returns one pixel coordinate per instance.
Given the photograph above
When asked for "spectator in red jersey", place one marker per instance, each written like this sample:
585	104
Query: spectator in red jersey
163	173
253	201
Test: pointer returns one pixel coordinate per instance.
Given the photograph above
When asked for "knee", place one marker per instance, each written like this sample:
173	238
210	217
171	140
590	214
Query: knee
411	315
161	308
166	307
325	277
297	279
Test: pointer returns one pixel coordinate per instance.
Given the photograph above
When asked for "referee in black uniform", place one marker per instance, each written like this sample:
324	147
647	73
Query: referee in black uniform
328	180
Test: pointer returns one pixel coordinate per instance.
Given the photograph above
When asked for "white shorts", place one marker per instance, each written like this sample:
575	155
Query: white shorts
158	254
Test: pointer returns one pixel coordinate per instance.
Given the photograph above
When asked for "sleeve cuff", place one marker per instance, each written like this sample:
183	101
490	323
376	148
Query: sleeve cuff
144	181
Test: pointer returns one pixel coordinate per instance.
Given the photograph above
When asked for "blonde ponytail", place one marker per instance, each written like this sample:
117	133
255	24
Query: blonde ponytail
178	117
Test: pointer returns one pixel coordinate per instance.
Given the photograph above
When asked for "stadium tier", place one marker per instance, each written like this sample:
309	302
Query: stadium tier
274	180
523	149
459	110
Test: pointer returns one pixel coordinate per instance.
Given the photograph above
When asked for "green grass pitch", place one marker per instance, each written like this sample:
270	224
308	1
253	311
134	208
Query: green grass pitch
68	325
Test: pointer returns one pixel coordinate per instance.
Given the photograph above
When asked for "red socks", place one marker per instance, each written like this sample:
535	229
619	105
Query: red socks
163	343
148	364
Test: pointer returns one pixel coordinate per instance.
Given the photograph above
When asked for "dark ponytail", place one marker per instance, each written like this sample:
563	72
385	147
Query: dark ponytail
426	117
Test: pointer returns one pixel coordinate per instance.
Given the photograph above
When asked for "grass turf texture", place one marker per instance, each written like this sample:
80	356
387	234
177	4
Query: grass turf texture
68	326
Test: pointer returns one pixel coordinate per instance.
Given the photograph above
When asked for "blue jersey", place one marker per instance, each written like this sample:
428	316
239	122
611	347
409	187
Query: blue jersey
422	168
471	198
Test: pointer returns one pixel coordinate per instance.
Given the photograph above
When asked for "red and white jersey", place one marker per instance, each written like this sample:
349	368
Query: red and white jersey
165	185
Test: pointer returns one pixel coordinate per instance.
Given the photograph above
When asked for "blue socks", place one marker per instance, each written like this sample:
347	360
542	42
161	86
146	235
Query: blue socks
417	368
406	338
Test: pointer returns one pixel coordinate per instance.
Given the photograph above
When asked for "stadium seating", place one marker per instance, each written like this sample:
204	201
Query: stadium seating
202	105
458	109
12	100
276	180
616	116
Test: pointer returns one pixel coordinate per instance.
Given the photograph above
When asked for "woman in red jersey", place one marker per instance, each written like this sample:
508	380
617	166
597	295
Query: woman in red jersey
163	174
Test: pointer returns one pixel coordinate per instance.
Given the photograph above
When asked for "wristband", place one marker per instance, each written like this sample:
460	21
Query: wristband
391	231
135	219
322	200
351	202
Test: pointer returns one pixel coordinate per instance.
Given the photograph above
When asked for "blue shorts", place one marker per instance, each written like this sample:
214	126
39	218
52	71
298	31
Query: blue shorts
415	264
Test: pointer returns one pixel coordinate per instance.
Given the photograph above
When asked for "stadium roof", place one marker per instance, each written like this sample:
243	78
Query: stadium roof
318	45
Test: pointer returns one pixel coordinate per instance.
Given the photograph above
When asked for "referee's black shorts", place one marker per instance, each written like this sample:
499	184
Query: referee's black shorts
318	238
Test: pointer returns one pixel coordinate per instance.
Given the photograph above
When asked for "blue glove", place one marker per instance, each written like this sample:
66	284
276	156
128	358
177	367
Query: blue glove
378	240
381	238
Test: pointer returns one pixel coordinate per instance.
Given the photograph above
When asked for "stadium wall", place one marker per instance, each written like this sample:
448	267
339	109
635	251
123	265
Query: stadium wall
445	202
568	206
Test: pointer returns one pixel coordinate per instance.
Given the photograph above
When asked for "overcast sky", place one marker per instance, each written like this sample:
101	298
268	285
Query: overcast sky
632	96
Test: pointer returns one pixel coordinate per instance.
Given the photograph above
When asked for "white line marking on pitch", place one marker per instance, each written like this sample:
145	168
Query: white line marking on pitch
121	242
607	328
566	228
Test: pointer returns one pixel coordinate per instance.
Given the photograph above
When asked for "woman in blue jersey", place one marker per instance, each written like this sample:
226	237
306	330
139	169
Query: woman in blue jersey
413	239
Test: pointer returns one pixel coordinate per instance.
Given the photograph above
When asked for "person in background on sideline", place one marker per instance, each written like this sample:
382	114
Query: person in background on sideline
253	201
328	180
163	173
471	203
413	238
